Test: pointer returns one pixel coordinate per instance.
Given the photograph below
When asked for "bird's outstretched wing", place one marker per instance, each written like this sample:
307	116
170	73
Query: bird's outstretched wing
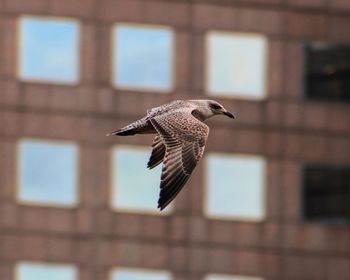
158	152
184	137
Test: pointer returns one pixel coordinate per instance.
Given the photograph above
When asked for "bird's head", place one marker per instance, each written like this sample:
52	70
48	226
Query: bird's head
209	108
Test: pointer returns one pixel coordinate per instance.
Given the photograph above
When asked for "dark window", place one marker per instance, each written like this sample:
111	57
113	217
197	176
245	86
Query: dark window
327	72
326	194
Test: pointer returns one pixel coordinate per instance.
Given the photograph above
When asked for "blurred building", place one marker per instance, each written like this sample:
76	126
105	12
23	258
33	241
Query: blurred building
270	199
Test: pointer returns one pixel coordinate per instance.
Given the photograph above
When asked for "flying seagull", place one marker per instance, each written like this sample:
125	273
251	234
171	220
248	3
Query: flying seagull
180	137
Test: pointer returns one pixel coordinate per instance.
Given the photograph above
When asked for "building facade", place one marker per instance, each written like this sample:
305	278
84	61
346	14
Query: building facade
75	203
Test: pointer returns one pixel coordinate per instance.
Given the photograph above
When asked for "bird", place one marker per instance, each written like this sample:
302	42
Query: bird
179	142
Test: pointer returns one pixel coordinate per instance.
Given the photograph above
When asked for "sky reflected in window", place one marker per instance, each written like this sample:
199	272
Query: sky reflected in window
143	57
135	188
235	187
230	277
48	49
236	64
45	271
140	274
47	173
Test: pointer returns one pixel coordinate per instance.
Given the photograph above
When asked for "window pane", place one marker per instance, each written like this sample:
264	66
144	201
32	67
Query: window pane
48	49
327	71
143	57
230	277
47	173
235	187
328	186
45	271
236	64
140	274
136	188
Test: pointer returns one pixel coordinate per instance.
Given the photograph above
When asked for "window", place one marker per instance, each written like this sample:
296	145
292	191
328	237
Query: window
326	193
143	57
236	64
235	187
327	72
47	173
48	49
41	271
139	274
135	188
230	277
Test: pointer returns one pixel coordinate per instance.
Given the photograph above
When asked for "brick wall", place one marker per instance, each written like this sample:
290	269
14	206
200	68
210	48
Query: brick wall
284	128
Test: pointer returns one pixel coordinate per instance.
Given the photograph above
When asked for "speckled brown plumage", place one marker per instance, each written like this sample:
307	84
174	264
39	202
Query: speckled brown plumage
179	143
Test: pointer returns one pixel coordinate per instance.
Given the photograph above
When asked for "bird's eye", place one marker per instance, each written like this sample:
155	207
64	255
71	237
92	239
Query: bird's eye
215	106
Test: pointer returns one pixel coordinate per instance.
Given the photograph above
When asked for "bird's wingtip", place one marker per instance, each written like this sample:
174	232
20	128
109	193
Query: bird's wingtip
160	207
112	133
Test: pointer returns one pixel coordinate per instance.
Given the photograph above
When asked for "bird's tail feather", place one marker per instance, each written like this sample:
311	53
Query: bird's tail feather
125	131
140	126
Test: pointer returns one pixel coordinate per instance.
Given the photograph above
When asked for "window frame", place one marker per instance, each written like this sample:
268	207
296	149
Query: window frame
304	72
64	205
302	198
78	48
114	57
236	95
45	263
231	217
114	189
232	277
139	269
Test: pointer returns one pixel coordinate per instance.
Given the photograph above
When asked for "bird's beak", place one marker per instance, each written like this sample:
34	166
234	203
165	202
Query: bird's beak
226	113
